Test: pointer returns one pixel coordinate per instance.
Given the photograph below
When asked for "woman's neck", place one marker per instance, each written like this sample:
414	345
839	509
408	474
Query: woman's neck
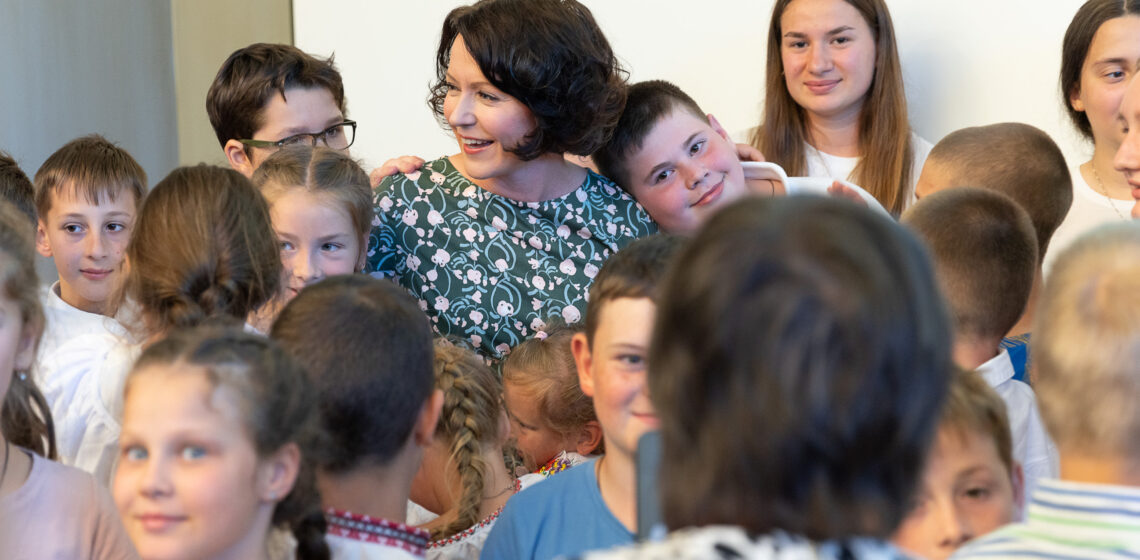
546	177
836	135
617	481
1099	174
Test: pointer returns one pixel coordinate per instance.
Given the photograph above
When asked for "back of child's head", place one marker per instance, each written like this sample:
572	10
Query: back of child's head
801	354
985	257
367	347
321	171
634	272
1015	159
552	57
276	405
1086	342
646	104
90	167
470	420
544	368
25	419
16	188
203	247
254	74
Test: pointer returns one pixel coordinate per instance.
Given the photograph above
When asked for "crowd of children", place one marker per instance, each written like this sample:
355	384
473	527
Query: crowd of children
214	375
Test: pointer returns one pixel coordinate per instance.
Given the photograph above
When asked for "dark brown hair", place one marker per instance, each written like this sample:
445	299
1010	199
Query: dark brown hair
545	368
252	75
815	326
91	167
1075	49
277	405
985	257
321	171
202	247
886	156
1015	159
645	105
552	57
25	418
16	188
634	272
367	347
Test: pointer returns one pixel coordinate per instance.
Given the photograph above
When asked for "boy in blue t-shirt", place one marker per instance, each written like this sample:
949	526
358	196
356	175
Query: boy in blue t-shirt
594	505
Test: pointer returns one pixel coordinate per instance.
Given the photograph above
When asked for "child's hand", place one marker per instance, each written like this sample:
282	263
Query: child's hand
402	164
840	190
747	152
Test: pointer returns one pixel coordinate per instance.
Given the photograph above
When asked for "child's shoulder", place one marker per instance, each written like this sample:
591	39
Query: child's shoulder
55	487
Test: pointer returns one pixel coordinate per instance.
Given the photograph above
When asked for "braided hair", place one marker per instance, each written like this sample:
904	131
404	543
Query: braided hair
469	420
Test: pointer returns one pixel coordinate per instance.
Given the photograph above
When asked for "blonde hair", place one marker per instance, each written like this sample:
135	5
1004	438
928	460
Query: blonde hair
1086	344
546	368
469	420
320	171
25	418
973	406
885	165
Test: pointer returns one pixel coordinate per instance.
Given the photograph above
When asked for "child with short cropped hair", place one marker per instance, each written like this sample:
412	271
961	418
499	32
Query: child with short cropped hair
267	96
593	505
463	480
971	484
16	188
367	348
87	196
984	253
553	423
321	206
48	510
799	360
214	424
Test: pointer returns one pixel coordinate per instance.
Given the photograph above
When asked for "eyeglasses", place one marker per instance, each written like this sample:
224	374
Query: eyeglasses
338	137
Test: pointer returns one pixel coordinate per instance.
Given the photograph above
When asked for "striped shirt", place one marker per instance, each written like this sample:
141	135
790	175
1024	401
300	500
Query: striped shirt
1069	520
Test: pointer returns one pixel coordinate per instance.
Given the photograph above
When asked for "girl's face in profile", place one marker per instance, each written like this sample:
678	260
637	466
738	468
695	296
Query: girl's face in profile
828	54
486	122
189	482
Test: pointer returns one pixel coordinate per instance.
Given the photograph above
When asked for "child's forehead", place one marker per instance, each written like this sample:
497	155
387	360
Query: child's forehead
667	136
624	320
73	193
966	445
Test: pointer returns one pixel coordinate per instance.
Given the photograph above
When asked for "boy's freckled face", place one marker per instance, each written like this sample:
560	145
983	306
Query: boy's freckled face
617	376
87	242
967	491
685	170
301	111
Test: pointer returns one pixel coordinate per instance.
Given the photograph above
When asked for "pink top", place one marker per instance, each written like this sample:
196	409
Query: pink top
61	512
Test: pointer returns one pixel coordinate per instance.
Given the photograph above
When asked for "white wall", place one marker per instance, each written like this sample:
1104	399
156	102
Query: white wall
966	62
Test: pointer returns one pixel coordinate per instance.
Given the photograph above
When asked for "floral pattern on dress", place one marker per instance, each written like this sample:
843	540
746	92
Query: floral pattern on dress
487	268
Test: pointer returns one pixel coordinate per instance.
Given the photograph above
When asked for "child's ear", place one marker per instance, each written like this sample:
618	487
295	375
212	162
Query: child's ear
26	351
717	127
1017	477
278	473
589	438
424	430
583	358
42	245
239	160
362	260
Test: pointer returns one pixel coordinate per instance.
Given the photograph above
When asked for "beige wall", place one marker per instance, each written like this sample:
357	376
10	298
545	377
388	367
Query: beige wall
205	32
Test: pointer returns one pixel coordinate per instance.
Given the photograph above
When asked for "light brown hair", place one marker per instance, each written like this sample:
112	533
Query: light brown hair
321	171
885	165
985	256
634	272
973	406
16	188
92	167
202	247
1015	159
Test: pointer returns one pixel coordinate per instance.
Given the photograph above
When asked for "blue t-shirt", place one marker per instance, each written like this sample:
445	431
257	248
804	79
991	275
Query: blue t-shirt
563	515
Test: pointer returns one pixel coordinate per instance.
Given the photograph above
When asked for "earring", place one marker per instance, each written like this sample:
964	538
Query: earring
273	495
23	375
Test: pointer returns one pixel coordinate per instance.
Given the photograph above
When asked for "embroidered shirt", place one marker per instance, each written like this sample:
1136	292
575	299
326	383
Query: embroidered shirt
732	542
360	536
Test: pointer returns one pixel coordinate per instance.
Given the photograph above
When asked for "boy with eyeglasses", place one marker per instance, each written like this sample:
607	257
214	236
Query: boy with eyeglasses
267	96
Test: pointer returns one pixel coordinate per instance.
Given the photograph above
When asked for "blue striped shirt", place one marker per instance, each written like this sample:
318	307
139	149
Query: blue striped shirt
1069	520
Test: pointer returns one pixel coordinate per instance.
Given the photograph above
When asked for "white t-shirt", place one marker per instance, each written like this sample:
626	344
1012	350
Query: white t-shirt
822	164
1032	446
1091	208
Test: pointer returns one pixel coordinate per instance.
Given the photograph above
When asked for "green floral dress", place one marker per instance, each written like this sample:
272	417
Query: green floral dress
487	268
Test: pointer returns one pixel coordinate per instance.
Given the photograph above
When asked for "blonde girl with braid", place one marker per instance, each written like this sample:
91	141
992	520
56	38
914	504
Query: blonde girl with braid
464	478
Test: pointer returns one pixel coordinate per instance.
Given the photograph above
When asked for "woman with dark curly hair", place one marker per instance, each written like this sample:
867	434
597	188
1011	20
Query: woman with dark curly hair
507	231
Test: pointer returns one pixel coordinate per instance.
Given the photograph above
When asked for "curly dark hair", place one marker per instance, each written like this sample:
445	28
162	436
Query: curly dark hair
552	57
